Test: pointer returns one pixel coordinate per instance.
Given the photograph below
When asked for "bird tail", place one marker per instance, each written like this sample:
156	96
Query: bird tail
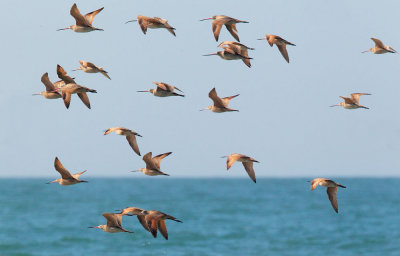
341	186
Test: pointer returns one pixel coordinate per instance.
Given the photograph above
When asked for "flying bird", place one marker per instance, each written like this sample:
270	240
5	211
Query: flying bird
153	164
280	43
380	48
331	190
230	24
113	223
220	105
89	67
83	23
66	177
130	136
233	52
164	90
246	161
51	91
71	87
156	22
352	102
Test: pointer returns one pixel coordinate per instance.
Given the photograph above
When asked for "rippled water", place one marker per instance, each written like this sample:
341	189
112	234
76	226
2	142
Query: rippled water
220	217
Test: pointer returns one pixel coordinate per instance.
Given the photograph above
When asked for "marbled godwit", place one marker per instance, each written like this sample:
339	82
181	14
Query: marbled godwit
51	91
156	22
71	87
280	43
233	52
331	189
246	161
352	102
83	23
380	48
239	49
113	223
66	177
151	220
130	136
153	164
89	67
164	90
220	105
230	24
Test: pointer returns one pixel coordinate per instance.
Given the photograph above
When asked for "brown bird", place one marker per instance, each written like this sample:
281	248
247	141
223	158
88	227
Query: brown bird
89	67
331	189
246	161
352	102
71	87
156	22
113	223
130	136
220	105
230	24
233	52
66	177
380	48
237	49
151	220
164	90
280	43
153	164
51	91
83	23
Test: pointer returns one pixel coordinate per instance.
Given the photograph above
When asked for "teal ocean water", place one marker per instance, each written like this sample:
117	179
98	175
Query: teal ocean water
220	217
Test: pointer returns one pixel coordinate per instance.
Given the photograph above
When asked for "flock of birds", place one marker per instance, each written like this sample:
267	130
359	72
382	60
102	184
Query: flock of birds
153	220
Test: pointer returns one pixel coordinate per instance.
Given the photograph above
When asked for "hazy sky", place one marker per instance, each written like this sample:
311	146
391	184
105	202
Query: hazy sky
284	122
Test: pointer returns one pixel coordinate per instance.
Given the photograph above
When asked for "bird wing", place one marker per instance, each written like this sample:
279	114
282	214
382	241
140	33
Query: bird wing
113	219
332	197
80	20
89	64
149	162
216	27
314	183
60	168
46	81
84	98
62	74
66	98
347	100
217	100
231	160
132	142
249	169
378	43
356	96
165	87
151	224
232	29
247	62
282	49
90	16
104	73
157	159
143	222
163	228
226	100
143	23
169	28
76	175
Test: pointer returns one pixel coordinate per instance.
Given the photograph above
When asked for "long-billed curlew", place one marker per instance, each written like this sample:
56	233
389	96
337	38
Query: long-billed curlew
66	177
164	90
246	161
380	48
352	102
130	136
153	164
83	23
156	22
113	223
220	105
89	67
280	43
230	24
331	190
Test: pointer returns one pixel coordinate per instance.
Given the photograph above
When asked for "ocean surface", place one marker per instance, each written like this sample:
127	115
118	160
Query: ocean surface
220	217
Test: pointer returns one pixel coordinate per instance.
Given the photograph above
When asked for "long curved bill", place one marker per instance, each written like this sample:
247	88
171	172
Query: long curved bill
36	94
262	39
130	21
210	54
142	91
63	29
207	19
336	105
50	182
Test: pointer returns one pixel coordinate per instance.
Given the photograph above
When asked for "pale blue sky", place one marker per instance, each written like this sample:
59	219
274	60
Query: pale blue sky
284	121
